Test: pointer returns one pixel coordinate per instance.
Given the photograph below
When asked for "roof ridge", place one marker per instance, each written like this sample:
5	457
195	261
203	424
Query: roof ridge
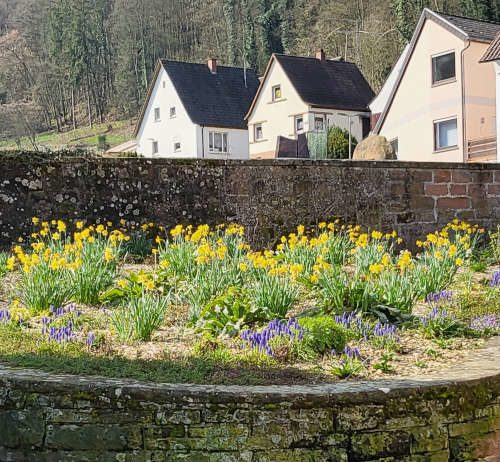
165	60
486	21
314	58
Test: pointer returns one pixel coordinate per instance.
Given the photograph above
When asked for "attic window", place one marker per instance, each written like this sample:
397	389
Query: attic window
277	92
443	67
154	147
157	114
172	112
177	146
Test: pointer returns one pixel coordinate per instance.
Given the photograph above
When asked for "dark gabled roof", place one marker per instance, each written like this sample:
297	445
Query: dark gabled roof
493	51
327	83
216	100
475	29
212	100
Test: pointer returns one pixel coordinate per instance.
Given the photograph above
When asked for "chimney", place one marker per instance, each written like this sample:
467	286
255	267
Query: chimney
320	55
212	65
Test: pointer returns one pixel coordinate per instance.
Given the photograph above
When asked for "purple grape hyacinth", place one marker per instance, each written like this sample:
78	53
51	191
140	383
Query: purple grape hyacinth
260	340
436	313
4	316
367	330
90	339
63	334
439	297
485	322
495	280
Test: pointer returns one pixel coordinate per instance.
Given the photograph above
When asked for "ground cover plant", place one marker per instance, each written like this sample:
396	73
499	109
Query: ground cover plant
198	304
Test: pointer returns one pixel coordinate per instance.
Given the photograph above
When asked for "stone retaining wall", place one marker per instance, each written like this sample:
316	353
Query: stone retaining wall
268	197
46	417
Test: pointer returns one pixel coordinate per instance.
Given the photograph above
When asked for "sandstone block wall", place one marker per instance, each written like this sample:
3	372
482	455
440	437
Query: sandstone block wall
269	197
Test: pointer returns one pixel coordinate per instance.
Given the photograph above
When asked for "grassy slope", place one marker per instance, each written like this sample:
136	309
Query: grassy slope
116	132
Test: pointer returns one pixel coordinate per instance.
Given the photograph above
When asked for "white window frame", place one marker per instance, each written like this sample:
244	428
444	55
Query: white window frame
155	148
177	149
173	112
275	89
224	142
448	79
296	119
435	126
323	122
255	129
157	114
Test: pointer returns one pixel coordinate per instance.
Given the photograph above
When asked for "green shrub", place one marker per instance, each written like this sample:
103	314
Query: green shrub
338	143
322	335
140	317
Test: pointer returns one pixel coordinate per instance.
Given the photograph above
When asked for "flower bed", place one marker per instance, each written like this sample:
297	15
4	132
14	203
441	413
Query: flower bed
196	304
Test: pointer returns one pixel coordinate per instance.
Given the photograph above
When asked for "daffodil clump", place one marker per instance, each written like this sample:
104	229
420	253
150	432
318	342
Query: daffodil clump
58	266
213	271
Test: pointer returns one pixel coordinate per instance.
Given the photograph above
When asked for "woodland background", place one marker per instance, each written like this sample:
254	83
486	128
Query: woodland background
66	63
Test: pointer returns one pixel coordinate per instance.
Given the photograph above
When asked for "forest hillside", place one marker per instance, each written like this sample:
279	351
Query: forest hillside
68	63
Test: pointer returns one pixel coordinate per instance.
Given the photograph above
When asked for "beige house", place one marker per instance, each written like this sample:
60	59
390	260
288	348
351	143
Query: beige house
442	104
299	94
492	55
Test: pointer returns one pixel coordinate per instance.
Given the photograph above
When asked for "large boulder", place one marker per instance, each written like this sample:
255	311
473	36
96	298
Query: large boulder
374	147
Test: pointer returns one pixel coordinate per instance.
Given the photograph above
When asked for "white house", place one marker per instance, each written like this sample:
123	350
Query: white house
302	94
196	110
493	55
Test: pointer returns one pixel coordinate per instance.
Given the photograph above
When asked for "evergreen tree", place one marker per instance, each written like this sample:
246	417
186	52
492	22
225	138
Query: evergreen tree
249	40
407	13
481	9
228	9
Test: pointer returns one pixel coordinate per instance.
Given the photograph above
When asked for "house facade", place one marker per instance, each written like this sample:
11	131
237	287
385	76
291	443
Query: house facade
298	95
196	110
492	55
441	106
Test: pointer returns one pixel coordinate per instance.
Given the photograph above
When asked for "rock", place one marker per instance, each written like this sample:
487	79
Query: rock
374	147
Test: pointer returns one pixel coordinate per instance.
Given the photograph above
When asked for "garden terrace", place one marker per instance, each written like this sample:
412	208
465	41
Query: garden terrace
196	304
454	416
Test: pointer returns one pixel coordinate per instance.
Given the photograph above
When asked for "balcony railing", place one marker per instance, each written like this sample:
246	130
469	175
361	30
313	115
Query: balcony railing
483	149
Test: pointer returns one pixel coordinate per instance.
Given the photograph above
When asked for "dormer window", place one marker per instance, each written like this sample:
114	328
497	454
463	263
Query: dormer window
172	112
443	68
277	93
157	114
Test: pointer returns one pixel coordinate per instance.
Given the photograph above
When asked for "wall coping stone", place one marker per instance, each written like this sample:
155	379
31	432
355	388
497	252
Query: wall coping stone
259	163
479	366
